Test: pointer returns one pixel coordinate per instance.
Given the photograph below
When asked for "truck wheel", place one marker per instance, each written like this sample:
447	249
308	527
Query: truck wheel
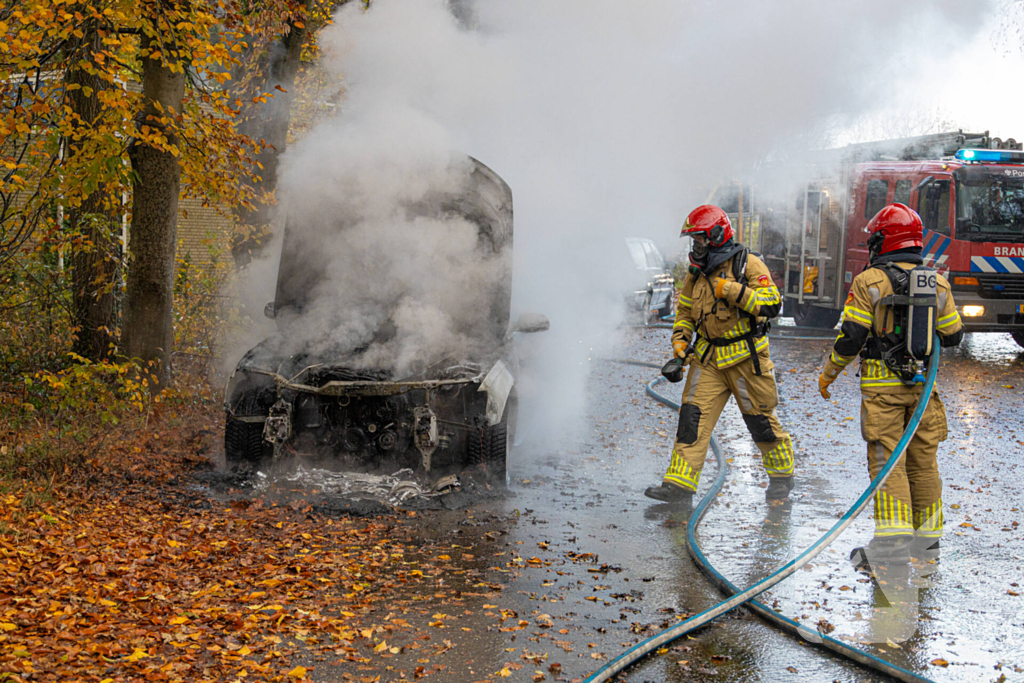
806	315
492	444
1018	337
243	442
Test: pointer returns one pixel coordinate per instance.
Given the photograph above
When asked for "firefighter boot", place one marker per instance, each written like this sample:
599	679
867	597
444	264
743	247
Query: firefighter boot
779	488
667	493
883	550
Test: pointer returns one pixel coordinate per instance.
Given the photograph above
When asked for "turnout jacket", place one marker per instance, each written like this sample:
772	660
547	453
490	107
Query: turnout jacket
863	314
701	317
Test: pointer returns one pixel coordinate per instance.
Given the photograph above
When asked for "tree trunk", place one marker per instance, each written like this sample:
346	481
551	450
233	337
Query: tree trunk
269	122
93	265
148	323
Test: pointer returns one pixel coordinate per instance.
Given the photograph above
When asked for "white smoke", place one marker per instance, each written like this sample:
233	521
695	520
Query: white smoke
609	119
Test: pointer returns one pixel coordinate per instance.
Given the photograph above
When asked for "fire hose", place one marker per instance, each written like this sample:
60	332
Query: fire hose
746	596
819	333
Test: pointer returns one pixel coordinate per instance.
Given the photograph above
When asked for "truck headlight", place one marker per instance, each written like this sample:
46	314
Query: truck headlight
973	311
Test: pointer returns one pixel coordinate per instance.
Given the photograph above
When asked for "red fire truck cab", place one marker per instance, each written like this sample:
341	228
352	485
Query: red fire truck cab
968	189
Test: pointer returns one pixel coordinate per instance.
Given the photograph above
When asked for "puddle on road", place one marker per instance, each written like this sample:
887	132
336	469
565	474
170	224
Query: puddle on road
989	348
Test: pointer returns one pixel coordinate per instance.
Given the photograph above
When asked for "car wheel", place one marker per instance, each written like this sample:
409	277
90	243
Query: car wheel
1018	337
243	442
492	445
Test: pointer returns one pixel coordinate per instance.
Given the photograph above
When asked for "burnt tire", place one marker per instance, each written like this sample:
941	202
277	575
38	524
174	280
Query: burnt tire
1018	337
243	442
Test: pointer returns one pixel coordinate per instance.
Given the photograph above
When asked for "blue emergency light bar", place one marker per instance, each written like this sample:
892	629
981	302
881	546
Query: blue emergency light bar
1006	156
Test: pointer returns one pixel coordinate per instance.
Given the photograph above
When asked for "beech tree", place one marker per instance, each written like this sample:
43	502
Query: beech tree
111	99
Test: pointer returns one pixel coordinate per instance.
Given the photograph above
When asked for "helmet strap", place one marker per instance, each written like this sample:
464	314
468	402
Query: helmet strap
875	245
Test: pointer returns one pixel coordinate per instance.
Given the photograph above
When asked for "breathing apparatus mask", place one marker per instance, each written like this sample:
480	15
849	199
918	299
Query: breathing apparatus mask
708	257
699	251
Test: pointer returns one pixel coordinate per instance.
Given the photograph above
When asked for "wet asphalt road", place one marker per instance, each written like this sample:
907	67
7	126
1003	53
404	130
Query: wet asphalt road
587	566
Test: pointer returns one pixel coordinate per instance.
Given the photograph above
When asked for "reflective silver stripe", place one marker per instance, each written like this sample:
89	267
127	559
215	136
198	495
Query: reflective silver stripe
694	378
876	295
743	396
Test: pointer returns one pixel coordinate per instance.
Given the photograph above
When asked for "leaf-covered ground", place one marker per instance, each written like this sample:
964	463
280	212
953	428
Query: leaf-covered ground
132	577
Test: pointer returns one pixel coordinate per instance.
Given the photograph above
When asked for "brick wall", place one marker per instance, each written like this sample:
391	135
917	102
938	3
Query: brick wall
198	224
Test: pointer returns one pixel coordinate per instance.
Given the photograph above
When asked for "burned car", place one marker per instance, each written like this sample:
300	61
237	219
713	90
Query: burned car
393	345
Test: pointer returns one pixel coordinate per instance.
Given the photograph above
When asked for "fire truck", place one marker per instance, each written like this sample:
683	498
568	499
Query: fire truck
968	189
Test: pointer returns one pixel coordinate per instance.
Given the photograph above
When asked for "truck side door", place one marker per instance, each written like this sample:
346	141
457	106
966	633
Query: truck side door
872	190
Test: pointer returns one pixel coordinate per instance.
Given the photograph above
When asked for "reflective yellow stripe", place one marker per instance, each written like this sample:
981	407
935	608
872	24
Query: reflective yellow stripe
739	329
874	368
702	346
929	522
874	373
751	304
680	472
768	295
948	321
779	460
892	516
841	361
685	301
732	354
683	325
858	315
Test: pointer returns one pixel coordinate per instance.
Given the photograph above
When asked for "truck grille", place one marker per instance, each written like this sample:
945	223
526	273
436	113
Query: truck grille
999	285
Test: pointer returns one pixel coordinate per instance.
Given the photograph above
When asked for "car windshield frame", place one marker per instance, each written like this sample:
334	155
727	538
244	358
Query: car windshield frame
976	189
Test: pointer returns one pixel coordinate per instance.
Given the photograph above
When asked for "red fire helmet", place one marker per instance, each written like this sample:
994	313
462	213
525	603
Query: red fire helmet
900	227
710	221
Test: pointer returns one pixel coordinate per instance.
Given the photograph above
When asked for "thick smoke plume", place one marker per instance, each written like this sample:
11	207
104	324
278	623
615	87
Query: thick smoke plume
401	283
608	119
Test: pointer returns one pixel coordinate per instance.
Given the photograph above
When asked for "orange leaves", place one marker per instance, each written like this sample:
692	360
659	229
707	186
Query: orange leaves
177	614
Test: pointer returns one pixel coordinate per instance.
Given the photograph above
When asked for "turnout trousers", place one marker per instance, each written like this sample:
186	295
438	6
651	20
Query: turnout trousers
910	502
705	394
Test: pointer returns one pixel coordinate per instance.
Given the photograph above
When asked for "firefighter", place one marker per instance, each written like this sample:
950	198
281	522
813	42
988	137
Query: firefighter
908	508
720	330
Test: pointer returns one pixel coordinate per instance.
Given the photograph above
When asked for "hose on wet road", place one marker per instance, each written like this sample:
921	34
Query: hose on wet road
745	596
779	332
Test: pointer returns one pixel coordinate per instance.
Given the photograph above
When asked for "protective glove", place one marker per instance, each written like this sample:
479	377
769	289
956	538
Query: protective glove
720	284
824	382
679	347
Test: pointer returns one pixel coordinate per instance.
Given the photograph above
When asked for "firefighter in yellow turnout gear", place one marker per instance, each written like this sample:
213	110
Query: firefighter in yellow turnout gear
908	508
720	331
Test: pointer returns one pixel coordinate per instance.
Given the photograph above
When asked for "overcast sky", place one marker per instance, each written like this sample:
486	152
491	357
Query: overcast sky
978	86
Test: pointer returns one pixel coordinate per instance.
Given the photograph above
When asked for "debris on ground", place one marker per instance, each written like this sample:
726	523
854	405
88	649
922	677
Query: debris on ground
393	489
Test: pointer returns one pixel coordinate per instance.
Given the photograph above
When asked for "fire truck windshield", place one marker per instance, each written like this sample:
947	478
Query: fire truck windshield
990	207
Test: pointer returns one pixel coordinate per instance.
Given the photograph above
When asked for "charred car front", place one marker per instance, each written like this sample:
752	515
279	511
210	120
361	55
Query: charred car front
393	371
